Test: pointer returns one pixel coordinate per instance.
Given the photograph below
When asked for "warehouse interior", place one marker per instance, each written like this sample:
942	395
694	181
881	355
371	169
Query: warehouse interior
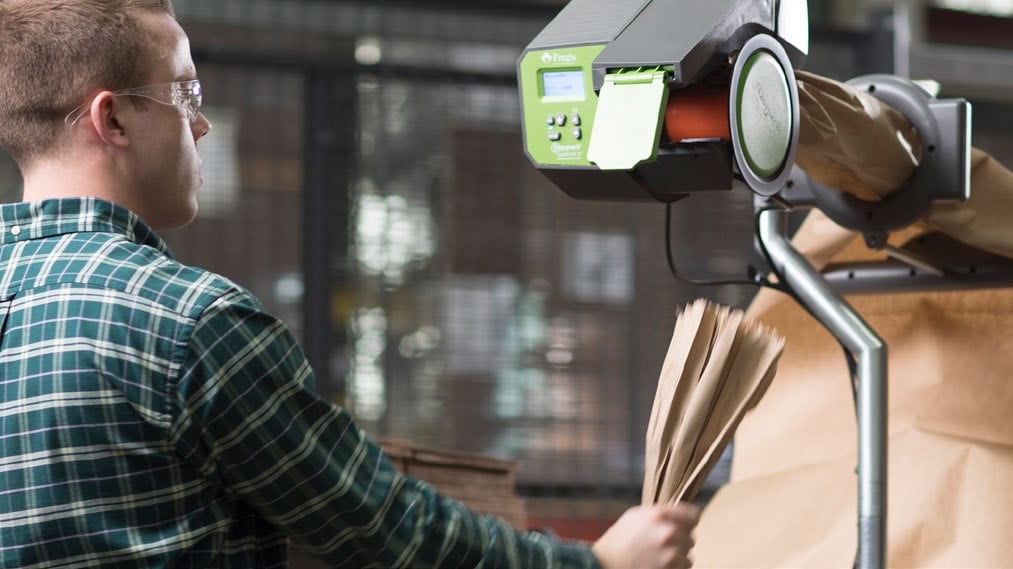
367	180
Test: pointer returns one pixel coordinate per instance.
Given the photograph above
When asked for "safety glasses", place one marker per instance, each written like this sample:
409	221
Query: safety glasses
185	95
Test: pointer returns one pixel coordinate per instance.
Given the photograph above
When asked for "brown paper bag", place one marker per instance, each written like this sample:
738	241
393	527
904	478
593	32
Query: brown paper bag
717	367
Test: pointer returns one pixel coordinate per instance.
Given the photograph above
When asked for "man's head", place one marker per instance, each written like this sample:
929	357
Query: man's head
64	56
55	53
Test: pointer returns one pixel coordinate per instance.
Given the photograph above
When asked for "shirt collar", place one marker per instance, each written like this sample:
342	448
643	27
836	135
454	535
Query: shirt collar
50	218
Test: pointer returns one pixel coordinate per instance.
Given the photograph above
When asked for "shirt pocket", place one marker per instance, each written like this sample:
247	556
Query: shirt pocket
5	308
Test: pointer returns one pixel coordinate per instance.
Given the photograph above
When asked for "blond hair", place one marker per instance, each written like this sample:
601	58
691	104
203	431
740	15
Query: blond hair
54	53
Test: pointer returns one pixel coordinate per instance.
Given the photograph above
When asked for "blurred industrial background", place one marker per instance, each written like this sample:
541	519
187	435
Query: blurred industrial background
366	179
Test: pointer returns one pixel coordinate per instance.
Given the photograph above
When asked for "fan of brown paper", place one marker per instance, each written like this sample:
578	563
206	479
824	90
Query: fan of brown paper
717	368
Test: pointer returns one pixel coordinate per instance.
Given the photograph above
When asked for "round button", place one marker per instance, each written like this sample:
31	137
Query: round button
16	230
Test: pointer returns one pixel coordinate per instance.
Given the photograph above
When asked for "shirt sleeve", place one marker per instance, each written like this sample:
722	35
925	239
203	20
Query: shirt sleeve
300	461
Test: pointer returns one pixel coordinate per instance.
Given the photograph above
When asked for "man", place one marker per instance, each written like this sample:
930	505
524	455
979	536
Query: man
152	414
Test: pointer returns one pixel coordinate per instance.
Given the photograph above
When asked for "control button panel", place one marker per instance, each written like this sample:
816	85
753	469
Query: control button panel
561	118
558	103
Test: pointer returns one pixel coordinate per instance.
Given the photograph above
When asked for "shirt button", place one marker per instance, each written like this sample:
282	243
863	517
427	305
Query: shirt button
16	230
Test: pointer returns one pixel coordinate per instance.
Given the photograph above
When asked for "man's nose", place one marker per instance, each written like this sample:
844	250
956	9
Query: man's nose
201	127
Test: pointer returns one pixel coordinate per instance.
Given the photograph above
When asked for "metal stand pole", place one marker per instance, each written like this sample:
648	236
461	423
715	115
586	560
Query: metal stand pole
843	322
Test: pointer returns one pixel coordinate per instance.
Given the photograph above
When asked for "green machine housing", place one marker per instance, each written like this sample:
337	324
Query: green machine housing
594	86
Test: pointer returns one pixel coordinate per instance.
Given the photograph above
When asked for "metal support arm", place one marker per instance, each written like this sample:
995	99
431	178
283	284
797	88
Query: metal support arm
816	294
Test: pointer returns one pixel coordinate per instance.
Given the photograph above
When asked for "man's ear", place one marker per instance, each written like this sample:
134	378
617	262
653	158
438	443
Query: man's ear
108	119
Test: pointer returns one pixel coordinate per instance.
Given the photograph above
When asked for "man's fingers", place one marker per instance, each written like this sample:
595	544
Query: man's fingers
680	541
675	529
655	536
686	542
683	515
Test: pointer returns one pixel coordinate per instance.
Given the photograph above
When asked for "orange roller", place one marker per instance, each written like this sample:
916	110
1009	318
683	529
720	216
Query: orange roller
697	112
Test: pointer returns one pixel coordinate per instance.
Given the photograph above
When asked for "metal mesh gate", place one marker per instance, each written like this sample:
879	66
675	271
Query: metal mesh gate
365	178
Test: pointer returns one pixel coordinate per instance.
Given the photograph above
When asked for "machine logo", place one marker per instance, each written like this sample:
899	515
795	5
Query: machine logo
555	57
568	151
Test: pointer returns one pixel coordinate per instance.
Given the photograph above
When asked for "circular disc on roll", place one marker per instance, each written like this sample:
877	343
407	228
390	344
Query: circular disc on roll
764	114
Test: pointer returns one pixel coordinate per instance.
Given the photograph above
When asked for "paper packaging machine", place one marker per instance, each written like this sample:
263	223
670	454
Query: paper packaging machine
653	100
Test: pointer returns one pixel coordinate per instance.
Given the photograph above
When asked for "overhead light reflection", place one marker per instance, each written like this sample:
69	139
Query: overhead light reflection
368	392
368	51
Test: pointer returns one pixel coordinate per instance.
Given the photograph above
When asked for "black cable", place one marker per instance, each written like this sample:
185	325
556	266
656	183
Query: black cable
853	372
758	281
761	281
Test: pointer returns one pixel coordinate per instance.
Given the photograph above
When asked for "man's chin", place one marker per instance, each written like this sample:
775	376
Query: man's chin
177	220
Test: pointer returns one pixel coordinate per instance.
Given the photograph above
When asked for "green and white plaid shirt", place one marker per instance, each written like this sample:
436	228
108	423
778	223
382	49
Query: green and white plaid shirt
153	415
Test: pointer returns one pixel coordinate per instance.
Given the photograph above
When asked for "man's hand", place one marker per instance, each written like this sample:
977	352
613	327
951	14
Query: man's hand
649	537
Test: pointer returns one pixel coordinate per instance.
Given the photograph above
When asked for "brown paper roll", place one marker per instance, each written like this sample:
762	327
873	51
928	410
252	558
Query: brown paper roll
851	141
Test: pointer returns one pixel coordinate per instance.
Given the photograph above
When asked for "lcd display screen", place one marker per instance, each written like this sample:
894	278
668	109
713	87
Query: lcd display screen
568	84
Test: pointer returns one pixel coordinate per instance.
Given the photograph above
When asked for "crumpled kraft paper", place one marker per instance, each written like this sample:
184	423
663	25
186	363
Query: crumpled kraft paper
851	141
792	500
718	366
984	220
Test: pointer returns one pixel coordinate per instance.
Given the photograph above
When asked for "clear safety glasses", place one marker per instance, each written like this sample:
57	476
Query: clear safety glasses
186	95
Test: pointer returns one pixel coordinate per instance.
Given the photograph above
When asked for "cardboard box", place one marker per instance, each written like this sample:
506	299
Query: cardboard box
484	484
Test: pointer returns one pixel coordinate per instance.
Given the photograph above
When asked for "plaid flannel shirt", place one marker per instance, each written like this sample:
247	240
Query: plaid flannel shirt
154	415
